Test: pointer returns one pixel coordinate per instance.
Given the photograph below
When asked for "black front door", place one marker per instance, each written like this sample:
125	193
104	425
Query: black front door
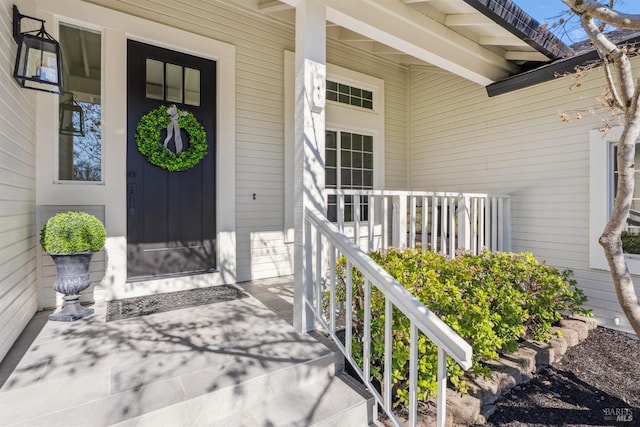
171	227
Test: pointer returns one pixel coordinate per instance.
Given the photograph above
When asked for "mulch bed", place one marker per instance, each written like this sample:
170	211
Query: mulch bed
140	306
596	383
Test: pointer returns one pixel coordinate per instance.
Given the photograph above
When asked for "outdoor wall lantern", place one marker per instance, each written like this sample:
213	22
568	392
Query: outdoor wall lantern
71	117
38	63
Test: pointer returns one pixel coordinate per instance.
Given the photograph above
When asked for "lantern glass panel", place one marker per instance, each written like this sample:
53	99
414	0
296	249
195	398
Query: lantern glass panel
37	65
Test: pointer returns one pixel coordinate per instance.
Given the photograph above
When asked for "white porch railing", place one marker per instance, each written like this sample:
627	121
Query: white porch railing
441	221
324	244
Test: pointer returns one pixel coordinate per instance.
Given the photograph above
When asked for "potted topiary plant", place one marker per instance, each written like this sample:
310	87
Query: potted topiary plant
71	239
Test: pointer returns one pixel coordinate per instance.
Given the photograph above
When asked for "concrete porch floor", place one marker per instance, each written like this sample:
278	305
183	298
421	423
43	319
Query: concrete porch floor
91	372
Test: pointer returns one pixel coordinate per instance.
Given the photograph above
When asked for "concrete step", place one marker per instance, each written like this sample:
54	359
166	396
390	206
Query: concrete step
328	402
195	396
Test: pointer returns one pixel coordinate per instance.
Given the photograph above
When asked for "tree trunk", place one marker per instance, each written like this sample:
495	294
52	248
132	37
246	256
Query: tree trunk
611	237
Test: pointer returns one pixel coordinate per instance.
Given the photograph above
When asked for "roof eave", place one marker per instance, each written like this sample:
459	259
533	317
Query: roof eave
548	71
518	22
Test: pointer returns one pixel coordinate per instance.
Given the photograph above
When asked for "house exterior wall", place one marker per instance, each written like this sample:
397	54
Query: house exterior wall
258	110
18	237
108	196
516	143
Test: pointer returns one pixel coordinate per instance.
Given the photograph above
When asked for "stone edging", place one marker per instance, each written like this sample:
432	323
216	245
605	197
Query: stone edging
513	369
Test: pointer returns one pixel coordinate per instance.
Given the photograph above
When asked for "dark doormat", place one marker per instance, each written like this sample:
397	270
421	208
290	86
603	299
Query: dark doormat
140	306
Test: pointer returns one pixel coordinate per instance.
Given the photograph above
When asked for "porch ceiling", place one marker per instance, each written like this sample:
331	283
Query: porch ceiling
481	40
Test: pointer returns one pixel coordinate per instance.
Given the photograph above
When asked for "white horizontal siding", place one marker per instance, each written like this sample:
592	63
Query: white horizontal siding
18	300
461	140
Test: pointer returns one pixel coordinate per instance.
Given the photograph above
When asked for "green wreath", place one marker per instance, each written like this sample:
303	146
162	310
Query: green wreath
150	144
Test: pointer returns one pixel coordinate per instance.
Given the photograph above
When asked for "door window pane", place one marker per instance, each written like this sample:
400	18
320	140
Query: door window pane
192	86
80	108
155	79
174	83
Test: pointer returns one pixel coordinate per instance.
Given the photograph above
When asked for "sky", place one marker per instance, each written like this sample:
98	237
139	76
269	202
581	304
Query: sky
550	11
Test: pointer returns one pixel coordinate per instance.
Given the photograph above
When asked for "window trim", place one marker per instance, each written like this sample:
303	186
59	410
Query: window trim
56	148
601	189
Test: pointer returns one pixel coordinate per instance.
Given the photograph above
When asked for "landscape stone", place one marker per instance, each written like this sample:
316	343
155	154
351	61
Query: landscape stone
568	334
544	352
590	322
559	346
578	326
463	409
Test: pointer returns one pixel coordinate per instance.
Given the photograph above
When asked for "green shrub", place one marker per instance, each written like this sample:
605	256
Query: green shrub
630	243
491	300
72	232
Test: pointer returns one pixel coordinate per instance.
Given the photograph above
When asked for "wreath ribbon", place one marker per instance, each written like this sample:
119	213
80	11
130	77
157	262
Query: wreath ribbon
173	127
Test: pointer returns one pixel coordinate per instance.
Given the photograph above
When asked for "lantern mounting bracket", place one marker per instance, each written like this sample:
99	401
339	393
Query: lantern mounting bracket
38	58
17	18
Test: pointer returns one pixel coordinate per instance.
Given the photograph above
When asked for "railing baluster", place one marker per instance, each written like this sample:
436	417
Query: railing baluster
388	353
340	211
434	223
412	222
332	284
463	223
452	227
318	269
494	224
384	222
356	220
501	225
441	398
348	319
399	228
425	218
481	227
366	345
413	375
371	222
474	226
444	228
487	224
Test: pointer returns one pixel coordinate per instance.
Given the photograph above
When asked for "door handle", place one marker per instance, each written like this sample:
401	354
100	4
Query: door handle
131	200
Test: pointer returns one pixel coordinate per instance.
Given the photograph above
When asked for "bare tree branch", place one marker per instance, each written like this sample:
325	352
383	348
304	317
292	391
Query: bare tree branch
617	102
609	52
604	13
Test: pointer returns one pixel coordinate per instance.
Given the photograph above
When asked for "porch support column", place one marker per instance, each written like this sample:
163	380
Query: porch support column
309	148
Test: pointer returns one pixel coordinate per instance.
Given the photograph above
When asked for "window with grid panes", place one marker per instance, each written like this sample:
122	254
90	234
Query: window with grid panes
350	95
349	166
633	221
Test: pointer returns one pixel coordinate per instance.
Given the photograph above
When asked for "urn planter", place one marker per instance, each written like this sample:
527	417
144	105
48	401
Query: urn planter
72	277
71	239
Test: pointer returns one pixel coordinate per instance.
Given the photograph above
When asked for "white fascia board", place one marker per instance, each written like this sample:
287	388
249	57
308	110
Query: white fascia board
399	26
